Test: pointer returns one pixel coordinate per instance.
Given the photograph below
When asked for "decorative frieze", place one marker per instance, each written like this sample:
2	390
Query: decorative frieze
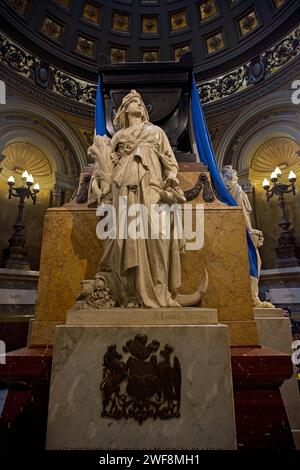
25	65
59	82
247	74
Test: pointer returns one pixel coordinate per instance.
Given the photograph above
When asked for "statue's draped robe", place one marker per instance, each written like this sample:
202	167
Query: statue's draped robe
148	268
242	200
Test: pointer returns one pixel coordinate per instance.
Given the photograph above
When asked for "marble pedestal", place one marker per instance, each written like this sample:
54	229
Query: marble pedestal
206	411
18	289
281	286
71	253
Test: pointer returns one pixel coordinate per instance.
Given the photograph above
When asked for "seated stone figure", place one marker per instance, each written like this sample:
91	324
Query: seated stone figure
137	165
230	179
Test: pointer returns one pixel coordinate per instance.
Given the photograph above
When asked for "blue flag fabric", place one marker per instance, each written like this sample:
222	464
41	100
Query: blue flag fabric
206	154
100	124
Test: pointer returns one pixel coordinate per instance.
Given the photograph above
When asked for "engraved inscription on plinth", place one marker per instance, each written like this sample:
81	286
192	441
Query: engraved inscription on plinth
144	316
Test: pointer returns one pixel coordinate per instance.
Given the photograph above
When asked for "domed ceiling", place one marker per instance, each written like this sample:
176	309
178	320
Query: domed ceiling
75	34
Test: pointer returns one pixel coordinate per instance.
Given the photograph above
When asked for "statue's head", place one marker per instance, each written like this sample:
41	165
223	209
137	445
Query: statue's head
229	176
257	237
131	104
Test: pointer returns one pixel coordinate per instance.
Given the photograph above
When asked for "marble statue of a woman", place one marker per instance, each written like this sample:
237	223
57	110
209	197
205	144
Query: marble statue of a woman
137	165
230	179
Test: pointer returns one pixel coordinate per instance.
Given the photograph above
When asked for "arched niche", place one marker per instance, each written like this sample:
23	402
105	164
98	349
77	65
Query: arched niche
19	156
34	139
276	151
264	135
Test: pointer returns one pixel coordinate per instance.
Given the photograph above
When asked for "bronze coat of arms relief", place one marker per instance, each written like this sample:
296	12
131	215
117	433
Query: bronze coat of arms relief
142	383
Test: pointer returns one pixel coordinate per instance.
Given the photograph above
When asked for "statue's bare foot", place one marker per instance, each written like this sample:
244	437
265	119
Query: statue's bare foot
173	303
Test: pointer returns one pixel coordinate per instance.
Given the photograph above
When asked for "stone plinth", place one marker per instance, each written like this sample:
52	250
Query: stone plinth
261	419
274	332
18	292
206	411
71	252
267	313
25	376
283	284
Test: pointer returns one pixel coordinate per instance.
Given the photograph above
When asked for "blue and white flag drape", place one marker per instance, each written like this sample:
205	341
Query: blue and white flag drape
100	125
206	155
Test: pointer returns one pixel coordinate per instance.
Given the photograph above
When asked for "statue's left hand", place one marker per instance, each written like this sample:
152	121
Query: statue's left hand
171	182
105	186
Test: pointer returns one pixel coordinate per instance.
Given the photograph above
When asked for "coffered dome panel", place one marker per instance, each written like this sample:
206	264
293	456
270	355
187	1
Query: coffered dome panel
74	34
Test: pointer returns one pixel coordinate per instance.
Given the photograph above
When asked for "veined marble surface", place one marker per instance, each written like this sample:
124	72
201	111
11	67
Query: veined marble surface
65	261
206	414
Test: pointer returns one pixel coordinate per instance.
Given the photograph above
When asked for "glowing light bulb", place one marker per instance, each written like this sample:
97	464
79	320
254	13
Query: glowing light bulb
11	180
266	183
292	176
25	175
277	171
29	179
273	176
36	187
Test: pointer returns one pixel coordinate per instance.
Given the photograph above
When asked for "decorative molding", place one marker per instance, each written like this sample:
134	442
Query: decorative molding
88	136
237	80
78	96
256	125
18	123
25	65
38	124
254	93
50	99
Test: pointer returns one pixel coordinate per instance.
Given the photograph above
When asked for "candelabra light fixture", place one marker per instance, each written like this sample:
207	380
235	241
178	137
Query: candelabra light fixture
287	251
279	188
15	255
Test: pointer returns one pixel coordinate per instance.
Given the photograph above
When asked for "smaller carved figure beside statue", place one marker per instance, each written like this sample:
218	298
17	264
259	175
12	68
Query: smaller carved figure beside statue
230	179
